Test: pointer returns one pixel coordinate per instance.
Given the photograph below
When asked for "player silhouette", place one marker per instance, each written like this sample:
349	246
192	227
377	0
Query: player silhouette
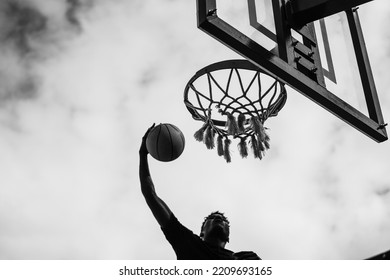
215	229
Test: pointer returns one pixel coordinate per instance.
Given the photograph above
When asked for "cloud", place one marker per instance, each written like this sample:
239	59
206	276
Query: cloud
32	32
81	81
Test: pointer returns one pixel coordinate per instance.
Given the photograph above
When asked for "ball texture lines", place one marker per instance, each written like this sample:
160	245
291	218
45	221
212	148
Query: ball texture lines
165	142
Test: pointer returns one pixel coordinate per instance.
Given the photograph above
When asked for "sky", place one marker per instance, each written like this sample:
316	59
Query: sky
80	83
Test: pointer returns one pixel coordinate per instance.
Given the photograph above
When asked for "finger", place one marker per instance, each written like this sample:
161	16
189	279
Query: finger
148	131
153	125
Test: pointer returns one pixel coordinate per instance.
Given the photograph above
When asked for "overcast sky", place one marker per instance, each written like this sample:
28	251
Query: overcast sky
82	80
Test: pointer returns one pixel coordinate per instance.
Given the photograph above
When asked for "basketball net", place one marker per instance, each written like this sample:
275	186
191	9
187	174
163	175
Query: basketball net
235	107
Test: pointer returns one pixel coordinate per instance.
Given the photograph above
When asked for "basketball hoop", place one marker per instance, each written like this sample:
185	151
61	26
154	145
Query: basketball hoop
236	106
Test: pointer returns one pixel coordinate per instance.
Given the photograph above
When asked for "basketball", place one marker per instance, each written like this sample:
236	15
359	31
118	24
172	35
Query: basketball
165	142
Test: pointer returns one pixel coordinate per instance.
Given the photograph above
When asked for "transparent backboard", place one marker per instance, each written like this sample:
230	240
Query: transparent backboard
325	60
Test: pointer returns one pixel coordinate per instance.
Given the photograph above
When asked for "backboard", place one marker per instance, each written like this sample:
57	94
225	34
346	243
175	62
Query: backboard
314	46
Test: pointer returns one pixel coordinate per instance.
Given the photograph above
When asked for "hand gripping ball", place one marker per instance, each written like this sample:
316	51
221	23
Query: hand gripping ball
165	142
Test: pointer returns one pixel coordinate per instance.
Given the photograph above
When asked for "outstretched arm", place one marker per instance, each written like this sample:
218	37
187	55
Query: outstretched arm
160	210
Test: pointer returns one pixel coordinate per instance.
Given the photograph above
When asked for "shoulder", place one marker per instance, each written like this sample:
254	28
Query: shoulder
174	228
246	255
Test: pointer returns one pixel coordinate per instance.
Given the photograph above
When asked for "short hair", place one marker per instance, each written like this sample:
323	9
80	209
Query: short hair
224	218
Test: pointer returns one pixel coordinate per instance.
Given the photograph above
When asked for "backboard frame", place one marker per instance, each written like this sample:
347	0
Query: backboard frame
305	11
279	64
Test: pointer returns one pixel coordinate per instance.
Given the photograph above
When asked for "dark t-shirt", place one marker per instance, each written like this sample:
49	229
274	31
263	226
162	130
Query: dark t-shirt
189	246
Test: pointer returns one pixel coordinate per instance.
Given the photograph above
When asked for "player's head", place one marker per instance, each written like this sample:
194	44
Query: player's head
215	225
